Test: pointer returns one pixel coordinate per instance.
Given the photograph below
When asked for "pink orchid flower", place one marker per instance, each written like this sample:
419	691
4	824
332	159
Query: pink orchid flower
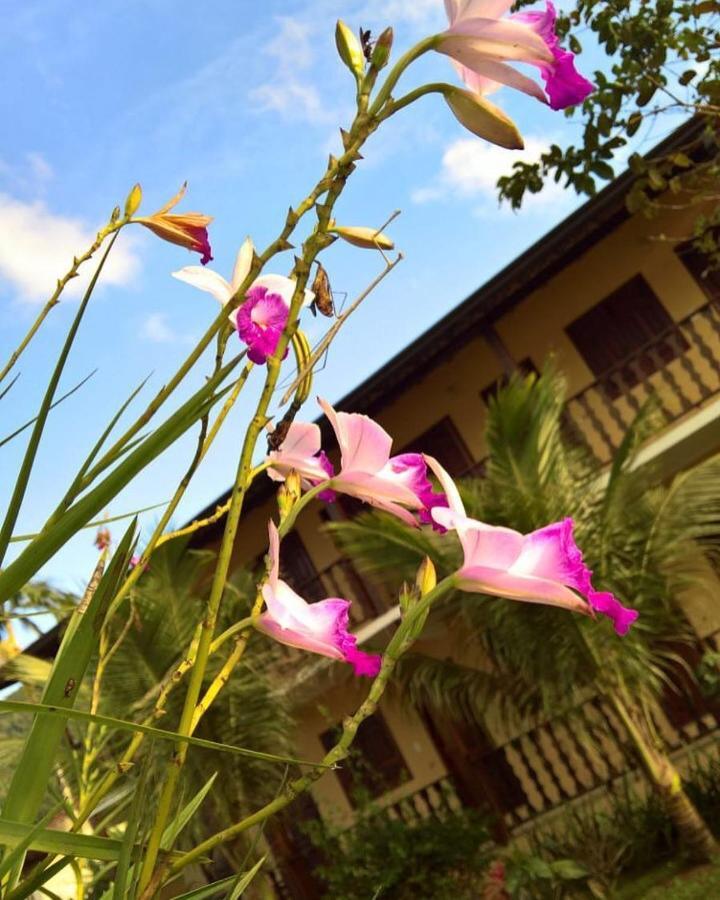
320	627
481	42
398	484
260	320
545	566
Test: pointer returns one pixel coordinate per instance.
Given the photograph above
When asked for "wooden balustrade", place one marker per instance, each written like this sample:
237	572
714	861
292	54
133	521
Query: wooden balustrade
680	368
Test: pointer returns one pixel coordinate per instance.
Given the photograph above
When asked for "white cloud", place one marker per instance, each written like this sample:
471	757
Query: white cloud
38	246
292	45
471	168
291	98
419	12
157	330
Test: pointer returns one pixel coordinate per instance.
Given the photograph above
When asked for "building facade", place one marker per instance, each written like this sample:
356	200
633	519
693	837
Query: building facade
625	314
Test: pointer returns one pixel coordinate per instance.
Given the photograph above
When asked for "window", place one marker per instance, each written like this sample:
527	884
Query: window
524	367
626	337
443	441
298	569
699	266
375	765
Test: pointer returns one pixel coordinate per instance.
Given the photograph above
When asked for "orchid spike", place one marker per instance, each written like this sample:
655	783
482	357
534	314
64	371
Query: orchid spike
482	43
261	319
320	627
398	484
545	566
184	229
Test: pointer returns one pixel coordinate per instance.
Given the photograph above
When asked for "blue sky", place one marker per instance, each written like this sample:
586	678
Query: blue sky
243	100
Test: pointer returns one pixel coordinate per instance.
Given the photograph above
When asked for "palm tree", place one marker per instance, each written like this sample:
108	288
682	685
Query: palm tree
644	540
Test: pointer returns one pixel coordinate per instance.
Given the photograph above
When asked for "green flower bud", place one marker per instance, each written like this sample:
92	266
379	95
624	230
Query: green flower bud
349	48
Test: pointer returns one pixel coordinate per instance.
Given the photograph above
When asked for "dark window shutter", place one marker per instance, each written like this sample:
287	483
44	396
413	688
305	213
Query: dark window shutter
443	441
626	337
525	367
376	764
298	569
699	266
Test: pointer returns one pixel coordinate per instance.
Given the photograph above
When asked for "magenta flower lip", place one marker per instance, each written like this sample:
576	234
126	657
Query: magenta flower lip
482	41
320	627
260	322
545	566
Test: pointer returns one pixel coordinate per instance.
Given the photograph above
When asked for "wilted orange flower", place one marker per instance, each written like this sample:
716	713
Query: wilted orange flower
185	229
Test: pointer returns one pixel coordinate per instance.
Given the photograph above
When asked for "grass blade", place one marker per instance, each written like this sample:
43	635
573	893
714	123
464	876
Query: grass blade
209	890
12	858
40	709
99	444
6	440
6	389
243	881
58	531
180	821
26	466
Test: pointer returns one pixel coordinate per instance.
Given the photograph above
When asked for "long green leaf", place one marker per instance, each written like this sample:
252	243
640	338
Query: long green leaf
60	530
37	877
69	496
180	821
243	881
98	523
34	771
40	709
65	843
6	389
11	859
130	838
23	477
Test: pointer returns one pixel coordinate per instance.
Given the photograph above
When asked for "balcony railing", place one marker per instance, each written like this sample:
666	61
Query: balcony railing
679	367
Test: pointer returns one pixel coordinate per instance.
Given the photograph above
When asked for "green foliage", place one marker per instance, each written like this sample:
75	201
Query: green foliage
661	59
164	612
386	858
530	877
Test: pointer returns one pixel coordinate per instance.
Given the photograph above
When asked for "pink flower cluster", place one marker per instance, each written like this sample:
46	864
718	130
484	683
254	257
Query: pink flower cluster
544	566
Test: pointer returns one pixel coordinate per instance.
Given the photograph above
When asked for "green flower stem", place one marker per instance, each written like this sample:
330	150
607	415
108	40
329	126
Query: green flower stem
110	228
383	95
317	240
23	477
402	640
435	87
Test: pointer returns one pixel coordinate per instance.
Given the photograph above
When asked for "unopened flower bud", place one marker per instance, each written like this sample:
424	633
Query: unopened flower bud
359	236
102	539
349	48
426	577
483	118
288	494
382	49
134	199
